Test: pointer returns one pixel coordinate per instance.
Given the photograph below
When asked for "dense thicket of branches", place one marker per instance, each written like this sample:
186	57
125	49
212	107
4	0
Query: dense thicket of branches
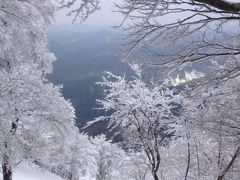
182	31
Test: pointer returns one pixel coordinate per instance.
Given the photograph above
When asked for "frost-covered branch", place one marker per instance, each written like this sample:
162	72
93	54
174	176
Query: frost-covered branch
79	8
144	113
179	32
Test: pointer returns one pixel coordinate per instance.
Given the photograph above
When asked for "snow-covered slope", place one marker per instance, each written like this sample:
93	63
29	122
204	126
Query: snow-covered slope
24	172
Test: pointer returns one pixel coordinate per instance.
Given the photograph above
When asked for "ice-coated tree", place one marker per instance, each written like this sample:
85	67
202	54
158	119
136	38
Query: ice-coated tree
209	148
143	112
136	166
72	160
216	113
23	32
35	119
109	159
24	26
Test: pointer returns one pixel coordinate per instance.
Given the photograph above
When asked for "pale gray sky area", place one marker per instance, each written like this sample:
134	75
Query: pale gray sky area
103	17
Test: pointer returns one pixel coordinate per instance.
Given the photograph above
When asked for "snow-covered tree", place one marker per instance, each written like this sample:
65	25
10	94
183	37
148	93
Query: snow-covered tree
136	166
24	26
35	118
109	158
72	160
144	113
211	113
37	123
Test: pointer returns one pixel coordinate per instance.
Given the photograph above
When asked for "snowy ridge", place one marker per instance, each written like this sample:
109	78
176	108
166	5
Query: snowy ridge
188	76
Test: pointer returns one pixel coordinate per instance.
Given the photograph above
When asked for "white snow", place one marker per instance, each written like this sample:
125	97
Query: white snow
24	172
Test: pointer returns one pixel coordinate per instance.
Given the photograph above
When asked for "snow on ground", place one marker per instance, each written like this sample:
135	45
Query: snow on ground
24	172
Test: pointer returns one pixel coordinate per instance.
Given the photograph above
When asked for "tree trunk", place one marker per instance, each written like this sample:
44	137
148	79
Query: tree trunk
6	168
188	161
225	171
155	177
